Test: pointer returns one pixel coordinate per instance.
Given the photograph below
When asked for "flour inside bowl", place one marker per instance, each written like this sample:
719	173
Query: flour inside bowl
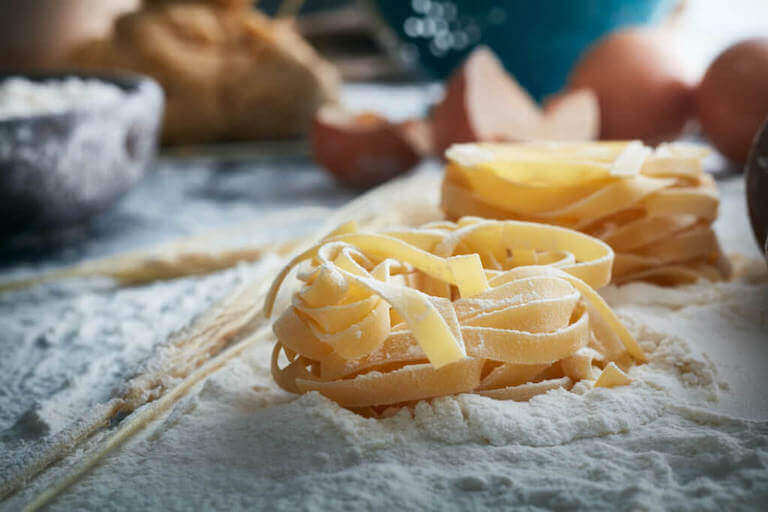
21	97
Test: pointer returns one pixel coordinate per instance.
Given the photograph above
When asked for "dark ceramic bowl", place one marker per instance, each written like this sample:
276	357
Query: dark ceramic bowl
57	170
756	176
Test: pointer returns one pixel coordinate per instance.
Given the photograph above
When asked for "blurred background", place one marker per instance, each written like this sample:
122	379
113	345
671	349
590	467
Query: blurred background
370	40
143	142
270	105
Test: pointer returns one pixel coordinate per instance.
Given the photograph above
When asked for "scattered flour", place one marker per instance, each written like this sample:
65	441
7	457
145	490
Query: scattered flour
20	97
58	360
239	442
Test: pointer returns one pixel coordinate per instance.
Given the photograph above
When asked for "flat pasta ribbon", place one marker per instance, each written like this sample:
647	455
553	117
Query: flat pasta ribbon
655	208
506	309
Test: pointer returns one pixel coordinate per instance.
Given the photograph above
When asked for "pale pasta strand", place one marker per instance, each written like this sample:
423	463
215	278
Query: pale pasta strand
654	208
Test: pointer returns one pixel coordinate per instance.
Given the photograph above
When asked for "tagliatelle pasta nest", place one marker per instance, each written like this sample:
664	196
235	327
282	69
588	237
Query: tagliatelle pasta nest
505	309
653	207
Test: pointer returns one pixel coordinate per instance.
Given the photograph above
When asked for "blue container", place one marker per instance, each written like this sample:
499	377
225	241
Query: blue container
538	41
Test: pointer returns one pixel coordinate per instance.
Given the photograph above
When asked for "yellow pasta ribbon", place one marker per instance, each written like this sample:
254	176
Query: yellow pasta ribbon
654	207
506	309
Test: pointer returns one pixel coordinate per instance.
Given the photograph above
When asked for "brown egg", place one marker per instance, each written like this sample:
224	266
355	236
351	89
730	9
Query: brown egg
732	99
640	85
361	150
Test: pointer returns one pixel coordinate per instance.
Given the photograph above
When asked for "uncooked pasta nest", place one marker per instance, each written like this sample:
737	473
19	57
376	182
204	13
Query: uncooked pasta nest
505	309
654	207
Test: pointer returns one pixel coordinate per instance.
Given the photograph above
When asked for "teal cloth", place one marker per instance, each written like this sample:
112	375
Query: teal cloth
538	41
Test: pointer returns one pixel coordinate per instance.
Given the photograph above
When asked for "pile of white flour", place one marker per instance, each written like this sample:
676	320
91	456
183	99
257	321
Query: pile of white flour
20	97
690	433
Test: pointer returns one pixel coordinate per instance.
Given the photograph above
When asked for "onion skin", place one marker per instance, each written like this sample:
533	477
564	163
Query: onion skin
732	98
640	84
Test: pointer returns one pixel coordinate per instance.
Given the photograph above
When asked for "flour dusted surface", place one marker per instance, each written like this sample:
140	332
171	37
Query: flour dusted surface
61	363
239	442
